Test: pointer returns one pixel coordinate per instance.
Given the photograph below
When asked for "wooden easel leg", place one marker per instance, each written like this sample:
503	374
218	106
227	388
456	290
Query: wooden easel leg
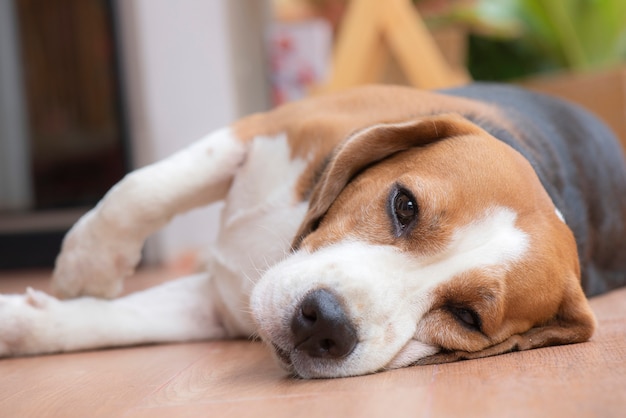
373	27
360	54
415	49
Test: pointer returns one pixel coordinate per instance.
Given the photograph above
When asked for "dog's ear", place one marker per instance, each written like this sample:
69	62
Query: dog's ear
573	323
369	146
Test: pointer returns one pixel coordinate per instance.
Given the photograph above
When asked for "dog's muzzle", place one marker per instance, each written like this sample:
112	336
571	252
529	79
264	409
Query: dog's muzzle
321	327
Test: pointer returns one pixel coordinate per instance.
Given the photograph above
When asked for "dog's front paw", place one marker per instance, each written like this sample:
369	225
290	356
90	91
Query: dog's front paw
24	323
93	261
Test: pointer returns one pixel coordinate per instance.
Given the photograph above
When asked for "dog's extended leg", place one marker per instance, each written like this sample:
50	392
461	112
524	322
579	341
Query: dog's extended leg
104	246
181	310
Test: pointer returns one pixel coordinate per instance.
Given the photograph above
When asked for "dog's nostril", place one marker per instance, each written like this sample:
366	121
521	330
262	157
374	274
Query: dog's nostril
321	327
309	313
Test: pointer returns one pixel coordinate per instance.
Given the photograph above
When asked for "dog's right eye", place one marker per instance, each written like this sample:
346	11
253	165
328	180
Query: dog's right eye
403	208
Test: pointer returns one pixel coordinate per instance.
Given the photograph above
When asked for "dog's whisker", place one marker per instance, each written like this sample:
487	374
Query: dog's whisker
248	278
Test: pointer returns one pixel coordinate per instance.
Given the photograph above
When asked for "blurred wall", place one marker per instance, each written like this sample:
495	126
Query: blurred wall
15	180
191	66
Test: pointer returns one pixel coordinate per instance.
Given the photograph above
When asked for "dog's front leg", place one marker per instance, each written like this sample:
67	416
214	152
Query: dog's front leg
36	323
105	244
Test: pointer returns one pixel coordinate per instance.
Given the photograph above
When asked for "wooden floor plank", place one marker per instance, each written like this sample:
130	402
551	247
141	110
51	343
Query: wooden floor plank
91	384
240	379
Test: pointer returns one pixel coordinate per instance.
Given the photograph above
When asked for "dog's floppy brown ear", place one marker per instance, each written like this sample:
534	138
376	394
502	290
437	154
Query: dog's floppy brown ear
369	146
574	323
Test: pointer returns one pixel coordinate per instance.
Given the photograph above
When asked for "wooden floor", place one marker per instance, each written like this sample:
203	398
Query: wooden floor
239	379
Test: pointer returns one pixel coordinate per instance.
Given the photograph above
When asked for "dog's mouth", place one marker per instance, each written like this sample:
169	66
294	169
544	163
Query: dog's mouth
282	356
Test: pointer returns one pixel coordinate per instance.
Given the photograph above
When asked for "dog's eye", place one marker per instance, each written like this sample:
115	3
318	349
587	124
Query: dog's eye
467	317
404	208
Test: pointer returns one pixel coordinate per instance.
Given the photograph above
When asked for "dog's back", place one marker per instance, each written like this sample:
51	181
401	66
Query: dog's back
580	164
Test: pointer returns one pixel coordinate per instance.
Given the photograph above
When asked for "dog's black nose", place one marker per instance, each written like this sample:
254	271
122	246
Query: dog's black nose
321	327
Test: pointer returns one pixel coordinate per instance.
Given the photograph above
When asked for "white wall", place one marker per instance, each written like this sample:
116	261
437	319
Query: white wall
179	63
15	180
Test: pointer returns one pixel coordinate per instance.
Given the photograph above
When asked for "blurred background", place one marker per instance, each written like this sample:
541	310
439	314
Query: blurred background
91	89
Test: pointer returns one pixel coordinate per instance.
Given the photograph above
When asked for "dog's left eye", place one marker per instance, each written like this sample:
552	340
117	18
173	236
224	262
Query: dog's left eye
404	208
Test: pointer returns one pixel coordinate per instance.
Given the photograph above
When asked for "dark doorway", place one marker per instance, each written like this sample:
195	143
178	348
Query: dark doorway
74	134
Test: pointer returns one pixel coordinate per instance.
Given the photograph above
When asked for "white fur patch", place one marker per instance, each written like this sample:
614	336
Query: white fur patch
559	214
36	323
262	194
386	292
104	246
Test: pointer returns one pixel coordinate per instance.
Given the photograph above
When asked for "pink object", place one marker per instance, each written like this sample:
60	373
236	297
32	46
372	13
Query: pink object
299	57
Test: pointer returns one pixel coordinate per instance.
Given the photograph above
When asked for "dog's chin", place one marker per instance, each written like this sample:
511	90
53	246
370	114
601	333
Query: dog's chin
411	353
283	359
302	366
299	365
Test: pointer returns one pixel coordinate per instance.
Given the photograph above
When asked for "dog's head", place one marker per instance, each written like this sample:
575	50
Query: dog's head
425	241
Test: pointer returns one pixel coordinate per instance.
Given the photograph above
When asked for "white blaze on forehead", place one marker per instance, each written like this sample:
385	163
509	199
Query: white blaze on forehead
385	291
493	240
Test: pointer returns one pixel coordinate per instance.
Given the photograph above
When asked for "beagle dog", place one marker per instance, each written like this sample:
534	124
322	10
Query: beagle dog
373	229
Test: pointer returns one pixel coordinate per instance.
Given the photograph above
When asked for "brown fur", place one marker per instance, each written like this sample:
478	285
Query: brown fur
387	134
540	292
315	126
